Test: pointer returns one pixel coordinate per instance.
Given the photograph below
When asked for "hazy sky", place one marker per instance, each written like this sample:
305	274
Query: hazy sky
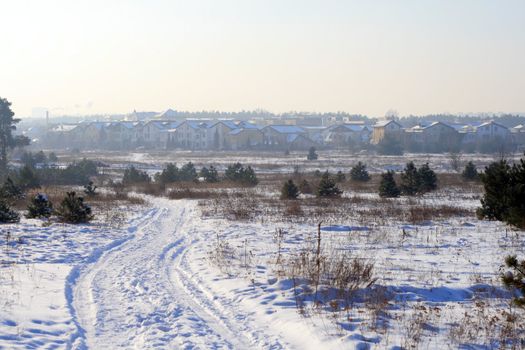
110	56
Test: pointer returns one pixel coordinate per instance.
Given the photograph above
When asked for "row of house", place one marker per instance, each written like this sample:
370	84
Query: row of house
441	137
200	134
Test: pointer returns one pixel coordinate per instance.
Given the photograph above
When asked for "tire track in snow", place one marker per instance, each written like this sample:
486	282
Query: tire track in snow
125	297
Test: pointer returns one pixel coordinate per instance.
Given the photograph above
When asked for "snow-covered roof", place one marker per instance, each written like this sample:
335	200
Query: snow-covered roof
229	123
491	123
385	123
169	113
64	128
519	128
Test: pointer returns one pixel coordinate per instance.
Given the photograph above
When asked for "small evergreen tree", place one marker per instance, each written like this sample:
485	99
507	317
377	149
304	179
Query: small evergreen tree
237	173
168	175
515	279
410	180
495	201
427	179
305	187
504	197
359	172
470	173
249	177
289	190
327	187
209	174
516	213
233	172
188	172
90	189
340	176
27	178
40	207
9	191
73	210
132	176
312	155
7	215
388	187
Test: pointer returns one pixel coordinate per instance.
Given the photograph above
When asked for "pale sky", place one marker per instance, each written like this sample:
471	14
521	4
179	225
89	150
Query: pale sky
110	56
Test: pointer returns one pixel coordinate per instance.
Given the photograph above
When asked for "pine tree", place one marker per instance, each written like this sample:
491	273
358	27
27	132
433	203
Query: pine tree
7	215
168	175
515	279
516	213
237	173
359	172
233	172
249	177
132	176
209	174
495	201
10	191
504	197
327	187
73	210
7	139
410	180
427	179
188	172
340	176
388	187
40	206
312	155
470	173
289	190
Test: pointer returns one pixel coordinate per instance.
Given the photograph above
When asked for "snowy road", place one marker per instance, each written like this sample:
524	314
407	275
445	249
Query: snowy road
136	295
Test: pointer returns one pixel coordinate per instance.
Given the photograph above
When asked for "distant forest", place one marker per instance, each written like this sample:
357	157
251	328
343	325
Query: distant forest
508	120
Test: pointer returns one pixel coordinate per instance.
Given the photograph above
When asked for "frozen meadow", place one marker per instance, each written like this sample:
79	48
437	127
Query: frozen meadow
231	271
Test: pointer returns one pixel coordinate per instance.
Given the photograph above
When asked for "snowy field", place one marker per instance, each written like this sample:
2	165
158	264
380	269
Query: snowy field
181	274
279	162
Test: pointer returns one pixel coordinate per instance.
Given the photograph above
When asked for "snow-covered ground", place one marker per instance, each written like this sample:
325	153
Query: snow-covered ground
159	283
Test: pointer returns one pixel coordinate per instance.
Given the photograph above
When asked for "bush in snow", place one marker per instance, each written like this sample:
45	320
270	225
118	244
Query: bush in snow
10	191
470	173
515	279
388	187
327	187
410	180
188	172
40	207
210	174
504	197
168	175
359	172
237	173
7	215
133	176
427	179
73	210
312	155
289	190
